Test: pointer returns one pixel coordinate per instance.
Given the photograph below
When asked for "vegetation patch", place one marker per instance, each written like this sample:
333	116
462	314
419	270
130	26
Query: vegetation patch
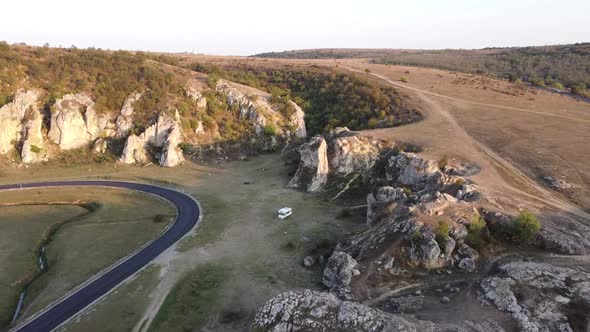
329	99
193	300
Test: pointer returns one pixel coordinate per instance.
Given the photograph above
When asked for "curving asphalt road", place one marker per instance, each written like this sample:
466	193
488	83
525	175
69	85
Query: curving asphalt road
187	217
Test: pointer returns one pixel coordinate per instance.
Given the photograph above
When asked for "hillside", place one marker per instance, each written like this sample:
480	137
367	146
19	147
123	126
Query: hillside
135	108
558	66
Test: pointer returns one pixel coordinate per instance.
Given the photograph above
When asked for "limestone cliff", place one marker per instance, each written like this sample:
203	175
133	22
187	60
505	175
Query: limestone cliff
12	118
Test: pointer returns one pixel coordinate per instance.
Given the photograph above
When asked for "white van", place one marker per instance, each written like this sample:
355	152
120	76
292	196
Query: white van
285	212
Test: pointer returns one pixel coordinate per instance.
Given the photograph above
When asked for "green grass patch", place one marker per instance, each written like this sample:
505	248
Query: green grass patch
193	300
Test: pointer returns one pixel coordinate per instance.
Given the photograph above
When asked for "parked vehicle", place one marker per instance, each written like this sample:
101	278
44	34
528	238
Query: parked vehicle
285	212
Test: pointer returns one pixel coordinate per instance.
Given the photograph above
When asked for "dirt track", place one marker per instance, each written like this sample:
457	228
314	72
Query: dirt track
504	175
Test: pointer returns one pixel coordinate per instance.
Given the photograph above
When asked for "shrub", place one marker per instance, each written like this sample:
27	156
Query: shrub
525	226
404	79
442	232
443	162
475	232
185	147
270	130
367	70
35	149
558	86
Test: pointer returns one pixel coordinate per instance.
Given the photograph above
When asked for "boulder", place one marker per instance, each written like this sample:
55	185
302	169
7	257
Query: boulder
312	172
339	270
254	111
306	310
353	153
308	261
100	146
382	204
165	135
417	173
12	117
75	123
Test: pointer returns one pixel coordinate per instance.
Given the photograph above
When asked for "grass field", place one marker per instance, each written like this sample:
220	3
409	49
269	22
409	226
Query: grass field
21	230
122	222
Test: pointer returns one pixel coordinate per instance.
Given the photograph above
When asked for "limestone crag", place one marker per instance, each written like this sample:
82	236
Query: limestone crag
353	153
306	310
551	294
297	121
165	135
312	173
12	118
75	123
32	149
124	121
256	111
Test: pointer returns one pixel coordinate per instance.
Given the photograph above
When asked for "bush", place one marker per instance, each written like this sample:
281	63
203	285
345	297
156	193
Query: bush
525	226
475	232
442	232
270	130
404	79
185	147
35	149
558	86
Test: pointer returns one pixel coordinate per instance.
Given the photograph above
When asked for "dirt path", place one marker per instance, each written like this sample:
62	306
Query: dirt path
520	184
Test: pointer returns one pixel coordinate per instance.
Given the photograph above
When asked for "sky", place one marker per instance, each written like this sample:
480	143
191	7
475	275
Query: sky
233	27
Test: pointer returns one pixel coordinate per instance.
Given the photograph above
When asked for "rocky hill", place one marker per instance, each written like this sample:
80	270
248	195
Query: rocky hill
58	100
435	242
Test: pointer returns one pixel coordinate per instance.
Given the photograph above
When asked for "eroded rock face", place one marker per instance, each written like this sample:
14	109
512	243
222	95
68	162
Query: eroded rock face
254	111
312	172
351	153
32	150
74	122
124	121
550	293
306	310
408	169
165	134
382	204
12	118
339	270
297	121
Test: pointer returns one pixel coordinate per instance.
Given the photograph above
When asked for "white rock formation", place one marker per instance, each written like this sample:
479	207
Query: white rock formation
313	169
12	116
32	150
354	154
75	123
124	121
297	121
165	134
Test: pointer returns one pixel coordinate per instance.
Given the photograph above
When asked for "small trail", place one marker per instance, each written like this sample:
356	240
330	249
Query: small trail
541	194
404	86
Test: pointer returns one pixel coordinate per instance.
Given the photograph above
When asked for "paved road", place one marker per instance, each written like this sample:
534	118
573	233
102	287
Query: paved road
187	217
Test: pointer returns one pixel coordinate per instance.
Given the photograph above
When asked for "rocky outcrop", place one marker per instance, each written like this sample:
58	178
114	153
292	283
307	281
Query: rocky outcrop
124	121
306	310
75	123
256	111
165	135
12	118
339	270
419	174
312	173
352	153
382	204
550	294
33	145
297	121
